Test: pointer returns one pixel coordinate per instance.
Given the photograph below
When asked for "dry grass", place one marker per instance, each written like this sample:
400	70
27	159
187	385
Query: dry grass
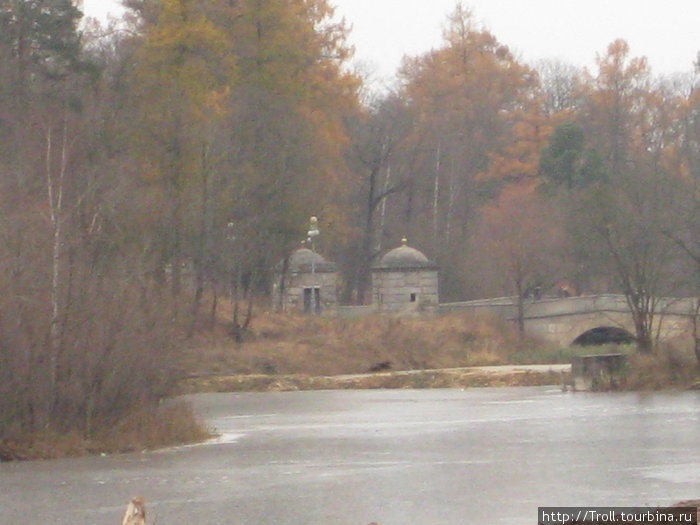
288	344
142	429
147	428
291	352
667	367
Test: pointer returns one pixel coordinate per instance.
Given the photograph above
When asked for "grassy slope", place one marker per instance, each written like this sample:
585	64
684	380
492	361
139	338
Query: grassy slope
283	352
288	344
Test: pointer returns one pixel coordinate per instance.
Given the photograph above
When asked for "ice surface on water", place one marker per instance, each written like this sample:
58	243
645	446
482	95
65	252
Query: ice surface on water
479	456
682	473
223	439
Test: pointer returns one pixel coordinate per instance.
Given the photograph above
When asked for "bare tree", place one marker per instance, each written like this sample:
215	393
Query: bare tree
683	229
558	83
621	225
376	136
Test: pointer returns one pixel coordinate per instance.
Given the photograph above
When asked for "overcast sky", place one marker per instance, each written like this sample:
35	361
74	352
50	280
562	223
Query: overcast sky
667	32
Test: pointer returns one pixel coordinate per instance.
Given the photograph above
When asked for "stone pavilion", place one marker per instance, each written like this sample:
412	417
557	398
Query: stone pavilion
405	281
308	284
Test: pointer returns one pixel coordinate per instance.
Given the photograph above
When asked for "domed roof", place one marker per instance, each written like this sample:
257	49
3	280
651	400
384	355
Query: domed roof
305	256
303	259
404	257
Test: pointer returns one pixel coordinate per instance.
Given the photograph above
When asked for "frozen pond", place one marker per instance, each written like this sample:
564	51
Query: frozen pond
397	457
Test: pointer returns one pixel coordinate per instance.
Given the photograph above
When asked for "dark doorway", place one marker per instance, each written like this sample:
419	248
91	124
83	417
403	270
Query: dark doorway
312	300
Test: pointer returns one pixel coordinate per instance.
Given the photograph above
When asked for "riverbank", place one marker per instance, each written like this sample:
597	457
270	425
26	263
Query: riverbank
315	346
288	352
486	376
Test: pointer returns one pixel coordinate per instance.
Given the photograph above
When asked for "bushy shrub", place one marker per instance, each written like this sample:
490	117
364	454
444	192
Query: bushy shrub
668	366
108	351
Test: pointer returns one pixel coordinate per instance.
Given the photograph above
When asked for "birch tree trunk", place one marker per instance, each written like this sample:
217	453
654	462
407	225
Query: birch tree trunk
382	214
55	184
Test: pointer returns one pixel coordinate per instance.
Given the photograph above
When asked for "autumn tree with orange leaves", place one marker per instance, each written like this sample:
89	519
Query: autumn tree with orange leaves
477	128
616	103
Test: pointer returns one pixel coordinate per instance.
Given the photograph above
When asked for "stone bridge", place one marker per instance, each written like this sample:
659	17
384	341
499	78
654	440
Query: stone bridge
561	320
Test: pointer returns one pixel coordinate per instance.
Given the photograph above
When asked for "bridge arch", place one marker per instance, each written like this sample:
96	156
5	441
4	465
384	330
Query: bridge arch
601	335
565	329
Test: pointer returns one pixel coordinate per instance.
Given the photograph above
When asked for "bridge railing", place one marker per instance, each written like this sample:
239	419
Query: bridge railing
567	306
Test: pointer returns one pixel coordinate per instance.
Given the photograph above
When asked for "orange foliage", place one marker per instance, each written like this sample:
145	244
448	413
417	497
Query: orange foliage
518	160
520	234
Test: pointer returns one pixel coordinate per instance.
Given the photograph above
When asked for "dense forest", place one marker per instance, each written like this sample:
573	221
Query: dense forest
149	168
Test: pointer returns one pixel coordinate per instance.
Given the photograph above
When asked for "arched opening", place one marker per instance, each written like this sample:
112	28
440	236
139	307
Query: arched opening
604	335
